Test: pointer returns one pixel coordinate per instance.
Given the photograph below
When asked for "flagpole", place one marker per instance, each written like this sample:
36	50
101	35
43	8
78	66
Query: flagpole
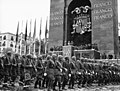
34	34
40	38
30	39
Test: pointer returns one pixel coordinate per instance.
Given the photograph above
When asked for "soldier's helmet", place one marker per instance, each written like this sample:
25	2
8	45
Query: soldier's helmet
60	57
73	58
66	58
23	56
9	53
40	57
48	57
54	56
29	56
16	55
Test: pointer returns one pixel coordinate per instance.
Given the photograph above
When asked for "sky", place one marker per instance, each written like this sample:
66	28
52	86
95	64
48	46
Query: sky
22	11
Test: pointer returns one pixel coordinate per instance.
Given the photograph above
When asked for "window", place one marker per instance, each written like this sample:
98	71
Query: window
0	44
4	38
11	45
0	37
12	38
4	43
19	46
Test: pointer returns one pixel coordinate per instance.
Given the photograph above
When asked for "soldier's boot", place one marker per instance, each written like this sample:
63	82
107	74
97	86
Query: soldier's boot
36	83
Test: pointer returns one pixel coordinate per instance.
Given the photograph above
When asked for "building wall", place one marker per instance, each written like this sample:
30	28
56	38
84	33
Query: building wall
8	41
104	24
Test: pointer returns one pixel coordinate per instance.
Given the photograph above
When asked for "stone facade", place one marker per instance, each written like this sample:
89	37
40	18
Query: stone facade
104	19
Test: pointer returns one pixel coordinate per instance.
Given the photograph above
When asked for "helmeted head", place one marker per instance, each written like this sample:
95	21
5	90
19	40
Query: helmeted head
67	58
40	57
60	58
73	58
29	56
54	57
49	57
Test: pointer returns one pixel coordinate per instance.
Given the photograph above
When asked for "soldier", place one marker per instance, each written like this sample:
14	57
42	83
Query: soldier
58	71
73	71
50	73
7	66
40	71
14	67
1	68
66	71
22	67
28	67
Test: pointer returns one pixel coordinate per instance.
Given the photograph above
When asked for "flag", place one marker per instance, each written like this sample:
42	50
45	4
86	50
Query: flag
40	38
34	34
40	30
17	33
26	32
46	30
30	29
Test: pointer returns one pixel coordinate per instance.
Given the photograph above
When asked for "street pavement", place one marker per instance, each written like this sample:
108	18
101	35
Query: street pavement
92	88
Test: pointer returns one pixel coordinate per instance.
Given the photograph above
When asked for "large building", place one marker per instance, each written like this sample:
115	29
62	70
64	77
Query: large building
8	41
81	22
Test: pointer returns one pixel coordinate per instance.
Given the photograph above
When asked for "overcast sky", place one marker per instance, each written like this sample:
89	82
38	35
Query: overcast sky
14	11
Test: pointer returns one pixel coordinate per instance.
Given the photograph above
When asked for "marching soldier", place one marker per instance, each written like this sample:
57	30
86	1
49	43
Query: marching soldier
58	71
7	66
40	71
22	67
1	68
14	67
73	71
66	71
28	67
50	73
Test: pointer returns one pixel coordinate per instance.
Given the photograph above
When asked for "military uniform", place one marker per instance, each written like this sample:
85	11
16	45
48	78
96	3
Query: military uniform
66	71
40	71
50	72
73	71
7	68
58	71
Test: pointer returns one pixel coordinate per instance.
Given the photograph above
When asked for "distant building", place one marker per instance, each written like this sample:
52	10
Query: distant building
8	40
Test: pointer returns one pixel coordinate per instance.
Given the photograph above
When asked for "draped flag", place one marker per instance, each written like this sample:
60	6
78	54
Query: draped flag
46	30
34	34
30	29
26	32
40	37
30	38
17	33
46	33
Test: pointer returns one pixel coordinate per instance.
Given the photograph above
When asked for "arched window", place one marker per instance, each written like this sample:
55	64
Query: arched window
4	38
12	38
4	43
19	47
11	45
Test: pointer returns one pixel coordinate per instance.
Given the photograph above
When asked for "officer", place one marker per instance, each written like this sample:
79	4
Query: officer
58	71
50	72
40	71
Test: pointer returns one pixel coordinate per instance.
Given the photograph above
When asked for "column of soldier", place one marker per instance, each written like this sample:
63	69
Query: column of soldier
56	72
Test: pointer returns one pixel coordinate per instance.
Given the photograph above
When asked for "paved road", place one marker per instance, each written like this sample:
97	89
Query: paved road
92	88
